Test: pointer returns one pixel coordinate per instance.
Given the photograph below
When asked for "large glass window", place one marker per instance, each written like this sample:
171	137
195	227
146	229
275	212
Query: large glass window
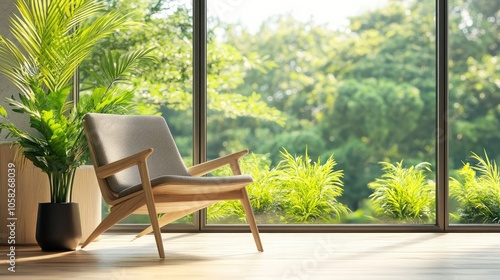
474	118
165	87
336	103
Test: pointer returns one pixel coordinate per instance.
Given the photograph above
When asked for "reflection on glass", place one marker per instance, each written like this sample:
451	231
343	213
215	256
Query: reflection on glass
474	112
336	104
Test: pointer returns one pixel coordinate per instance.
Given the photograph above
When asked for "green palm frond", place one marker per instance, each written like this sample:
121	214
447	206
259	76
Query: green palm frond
13	64
51	39
116	67
56	35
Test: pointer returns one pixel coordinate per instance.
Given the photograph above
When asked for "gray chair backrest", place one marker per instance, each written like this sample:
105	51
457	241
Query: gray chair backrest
114	137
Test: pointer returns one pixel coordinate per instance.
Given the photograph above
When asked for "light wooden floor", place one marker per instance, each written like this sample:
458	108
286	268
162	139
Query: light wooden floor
286	256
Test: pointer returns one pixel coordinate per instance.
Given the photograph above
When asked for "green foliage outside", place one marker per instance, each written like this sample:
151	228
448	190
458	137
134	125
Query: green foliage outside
477	190
301	191
366	94
297	190
407	195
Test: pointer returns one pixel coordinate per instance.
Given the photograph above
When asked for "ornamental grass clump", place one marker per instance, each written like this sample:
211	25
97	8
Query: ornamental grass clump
477	190
404	195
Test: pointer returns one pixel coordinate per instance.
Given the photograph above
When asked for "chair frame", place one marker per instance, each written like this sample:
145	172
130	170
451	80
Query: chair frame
174	201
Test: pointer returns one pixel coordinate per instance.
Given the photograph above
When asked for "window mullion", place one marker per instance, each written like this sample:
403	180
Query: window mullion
200	89
442	211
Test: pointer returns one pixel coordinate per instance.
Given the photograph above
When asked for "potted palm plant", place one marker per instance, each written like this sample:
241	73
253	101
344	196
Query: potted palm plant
52	38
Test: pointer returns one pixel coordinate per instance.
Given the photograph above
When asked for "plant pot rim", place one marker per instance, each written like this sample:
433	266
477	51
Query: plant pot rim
58	202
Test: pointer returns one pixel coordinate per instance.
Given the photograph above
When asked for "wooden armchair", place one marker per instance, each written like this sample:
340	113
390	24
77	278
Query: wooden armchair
140	170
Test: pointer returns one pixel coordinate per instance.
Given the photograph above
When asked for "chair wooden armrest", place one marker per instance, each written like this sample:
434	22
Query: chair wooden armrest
109	169
208	166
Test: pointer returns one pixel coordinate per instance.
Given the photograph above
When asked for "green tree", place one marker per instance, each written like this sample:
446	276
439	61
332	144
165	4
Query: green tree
474	75
369	114
292	81
340	90
167	87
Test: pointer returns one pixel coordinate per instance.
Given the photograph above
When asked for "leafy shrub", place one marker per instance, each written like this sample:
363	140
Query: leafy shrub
477	190
404	194
295	191
311	189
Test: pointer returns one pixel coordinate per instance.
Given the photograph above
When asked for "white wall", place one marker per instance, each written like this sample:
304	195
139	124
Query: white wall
7	7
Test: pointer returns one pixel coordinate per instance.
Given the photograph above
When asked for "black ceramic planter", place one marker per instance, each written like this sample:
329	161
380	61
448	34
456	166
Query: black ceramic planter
58	226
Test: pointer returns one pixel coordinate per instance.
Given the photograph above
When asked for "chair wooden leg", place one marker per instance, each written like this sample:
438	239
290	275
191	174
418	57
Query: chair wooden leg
251	219
150	202
157	232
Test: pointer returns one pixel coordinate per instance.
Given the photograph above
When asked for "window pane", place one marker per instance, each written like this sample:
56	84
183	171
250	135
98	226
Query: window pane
165	88
336	103
474	117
